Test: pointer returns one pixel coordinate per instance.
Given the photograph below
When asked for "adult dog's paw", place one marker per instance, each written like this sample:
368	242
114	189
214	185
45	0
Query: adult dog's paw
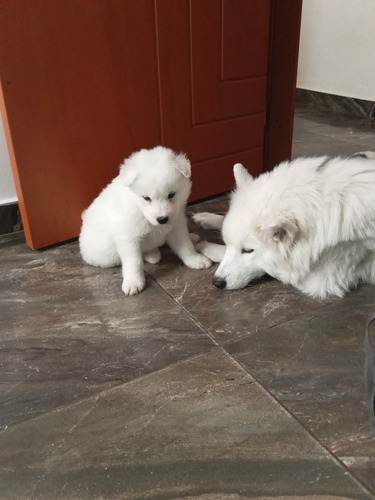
213	251
198	261
133	285
194	238
208	220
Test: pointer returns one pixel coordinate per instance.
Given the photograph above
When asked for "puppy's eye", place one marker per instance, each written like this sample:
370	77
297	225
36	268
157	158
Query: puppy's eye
171	195
146	198
247	250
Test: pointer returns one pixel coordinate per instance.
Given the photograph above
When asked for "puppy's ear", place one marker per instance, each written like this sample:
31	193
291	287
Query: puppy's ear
284	231
183	165
241	175
128	172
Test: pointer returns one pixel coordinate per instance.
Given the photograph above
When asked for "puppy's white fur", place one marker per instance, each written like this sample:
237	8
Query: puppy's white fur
139	211
309	223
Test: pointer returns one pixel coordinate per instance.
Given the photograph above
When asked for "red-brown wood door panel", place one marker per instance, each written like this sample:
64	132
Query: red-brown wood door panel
80	89
86	82
227	80
214	107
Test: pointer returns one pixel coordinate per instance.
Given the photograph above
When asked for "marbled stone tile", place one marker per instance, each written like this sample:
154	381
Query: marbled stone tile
362	135
229	315
68	331
202	426
314	365
307	143
329	133
225	496
307	118
334	103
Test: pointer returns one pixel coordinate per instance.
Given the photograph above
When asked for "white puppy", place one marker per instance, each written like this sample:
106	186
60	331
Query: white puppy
139	211
309	223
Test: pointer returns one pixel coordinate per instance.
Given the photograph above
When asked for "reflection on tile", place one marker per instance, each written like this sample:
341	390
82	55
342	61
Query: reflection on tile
68	331
201	426
315	367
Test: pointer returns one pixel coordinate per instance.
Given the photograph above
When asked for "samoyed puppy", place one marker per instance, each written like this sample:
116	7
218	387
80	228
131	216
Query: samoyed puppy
309	223
139	211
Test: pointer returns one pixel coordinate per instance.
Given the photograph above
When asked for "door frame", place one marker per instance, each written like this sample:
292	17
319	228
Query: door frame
285	26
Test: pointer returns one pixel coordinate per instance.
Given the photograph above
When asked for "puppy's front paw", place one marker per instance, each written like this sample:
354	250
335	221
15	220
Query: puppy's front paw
198	261
133	285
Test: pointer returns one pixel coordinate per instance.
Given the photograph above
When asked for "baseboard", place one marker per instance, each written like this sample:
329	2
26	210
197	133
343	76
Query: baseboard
10	218
339	104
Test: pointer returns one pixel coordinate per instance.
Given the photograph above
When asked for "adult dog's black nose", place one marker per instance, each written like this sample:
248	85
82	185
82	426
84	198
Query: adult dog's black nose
219	282
162	220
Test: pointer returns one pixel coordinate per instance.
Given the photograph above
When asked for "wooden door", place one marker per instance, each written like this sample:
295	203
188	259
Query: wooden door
213	84
87	82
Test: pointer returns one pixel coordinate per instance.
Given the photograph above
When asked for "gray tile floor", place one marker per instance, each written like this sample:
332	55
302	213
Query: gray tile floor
184	391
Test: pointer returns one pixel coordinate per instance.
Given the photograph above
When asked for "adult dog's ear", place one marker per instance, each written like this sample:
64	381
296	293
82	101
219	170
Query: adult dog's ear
128	172
284	231
183	165
241	175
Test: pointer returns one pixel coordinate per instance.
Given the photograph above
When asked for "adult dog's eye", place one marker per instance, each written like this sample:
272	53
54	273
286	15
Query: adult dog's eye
247	250
171	195
146	198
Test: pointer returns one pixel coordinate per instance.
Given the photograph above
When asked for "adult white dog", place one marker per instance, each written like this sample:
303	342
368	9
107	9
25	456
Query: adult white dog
139	211
309	223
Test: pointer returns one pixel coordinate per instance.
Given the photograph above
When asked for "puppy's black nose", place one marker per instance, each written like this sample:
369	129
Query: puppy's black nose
162	220
219	282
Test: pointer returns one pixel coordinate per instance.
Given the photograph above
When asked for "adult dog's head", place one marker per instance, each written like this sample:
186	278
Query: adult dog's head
259	231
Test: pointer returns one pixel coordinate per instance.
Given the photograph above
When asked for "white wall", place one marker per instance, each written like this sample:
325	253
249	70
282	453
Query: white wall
7	188
337	48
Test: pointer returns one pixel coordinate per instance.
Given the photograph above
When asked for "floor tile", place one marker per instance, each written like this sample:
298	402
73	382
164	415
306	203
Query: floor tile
314	365
201	426
319	133
68	331
308	143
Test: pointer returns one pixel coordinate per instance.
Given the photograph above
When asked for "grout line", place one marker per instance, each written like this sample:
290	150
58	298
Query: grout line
224	347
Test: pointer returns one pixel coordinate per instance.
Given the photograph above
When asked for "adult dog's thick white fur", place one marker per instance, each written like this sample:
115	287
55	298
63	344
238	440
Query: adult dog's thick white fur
139	211
309	223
